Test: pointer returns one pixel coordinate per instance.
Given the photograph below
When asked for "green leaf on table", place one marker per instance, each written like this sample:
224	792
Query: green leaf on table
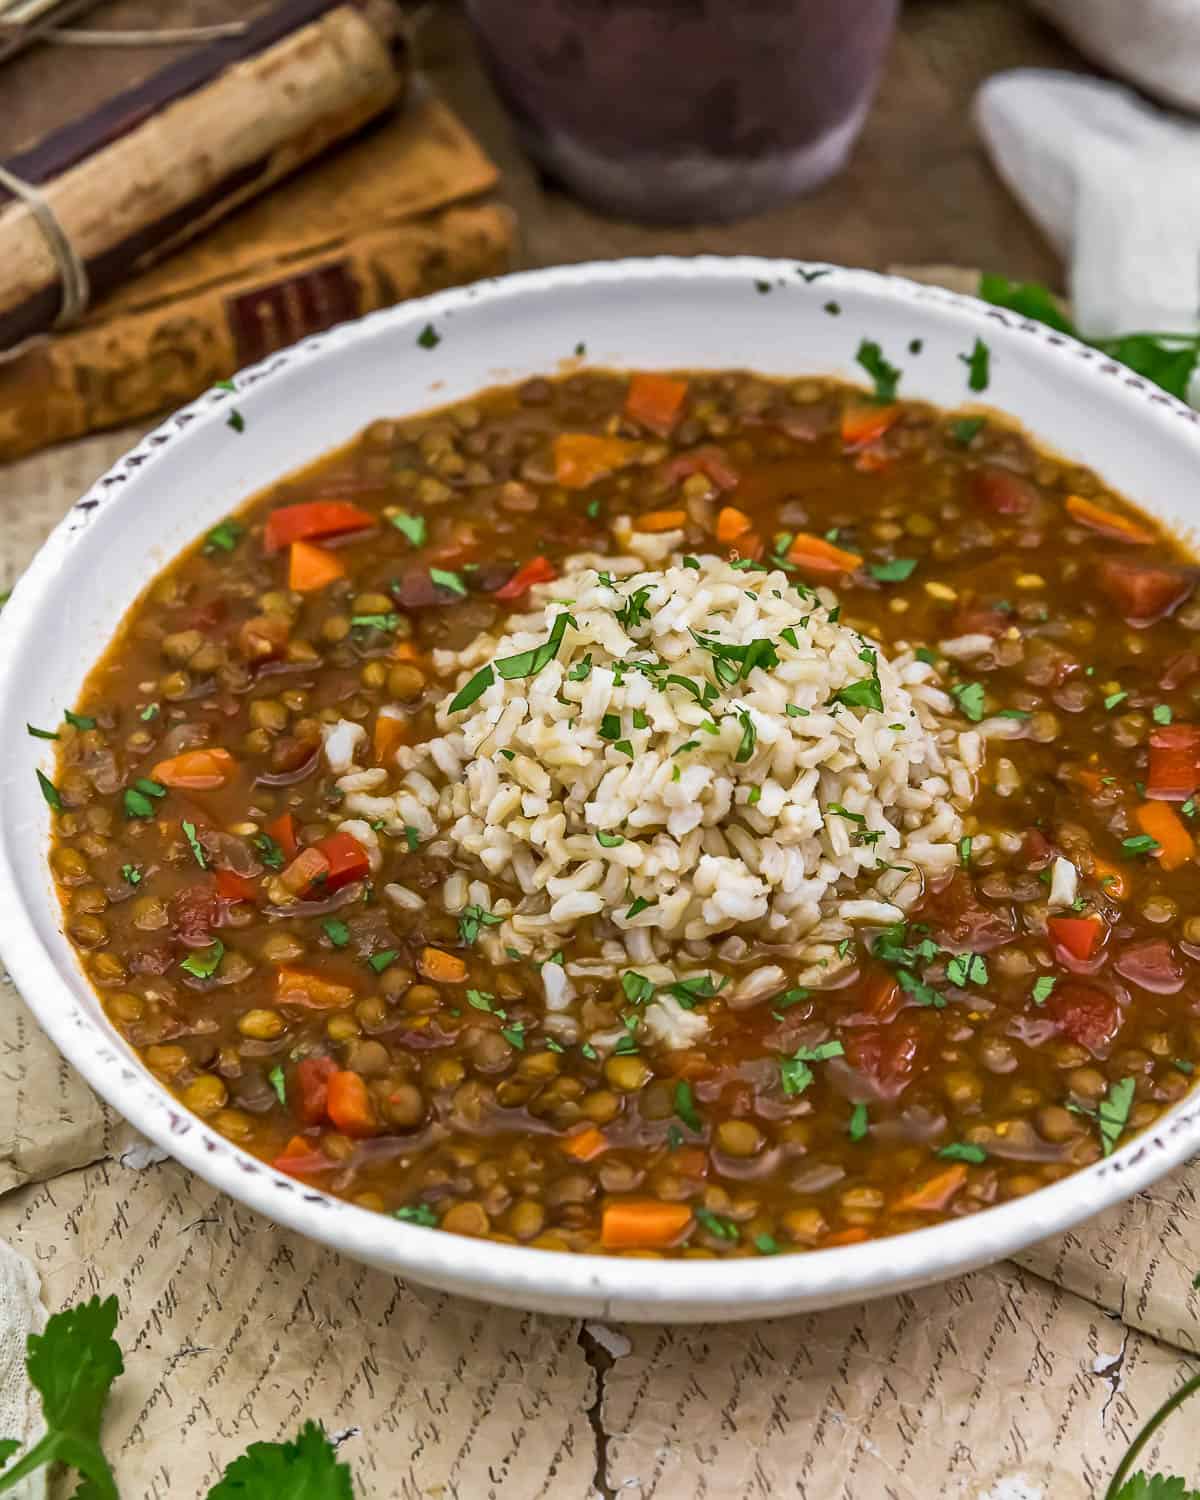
306	1468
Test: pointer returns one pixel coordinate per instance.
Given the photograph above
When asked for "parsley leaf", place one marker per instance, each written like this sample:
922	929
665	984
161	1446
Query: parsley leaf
337	932
471	919
978	364
685	1106
447	580
269	851
722	1228
885	375
203	963
224	537
969	697
859	1123
794	1073
1112	1116
963	1151
1043	988
966	429
413	527
189	833
429	337
417	1213
306	1468
895	571
40	734
54	801
279	1083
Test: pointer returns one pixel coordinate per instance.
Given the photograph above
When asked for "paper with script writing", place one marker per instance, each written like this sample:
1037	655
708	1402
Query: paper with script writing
236	1330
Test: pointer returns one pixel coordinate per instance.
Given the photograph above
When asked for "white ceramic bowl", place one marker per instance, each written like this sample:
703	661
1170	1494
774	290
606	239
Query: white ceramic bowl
756	314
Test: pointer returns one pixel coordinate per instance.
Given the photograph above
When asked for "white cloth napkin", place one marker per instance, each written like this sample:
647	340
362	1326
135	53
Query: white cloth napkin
21	1313
1114	183
1153	43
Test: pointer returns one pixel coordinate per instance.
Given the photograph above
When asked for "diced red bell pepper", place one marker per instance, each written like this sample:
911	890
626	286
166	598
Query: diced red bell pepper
283	831
1174	770
310	1092
347	860
312	519
1002	491
1141	592
536	570
234	888
1078	936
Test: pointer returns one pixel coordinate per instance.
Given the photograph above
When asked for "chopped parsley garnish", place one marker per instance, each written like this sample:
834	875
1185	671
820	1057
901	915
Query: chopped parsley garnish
224	537
685	1107
842	812
922	653
471	919
1112	1116
269	851
149	712
337	932
868	693
788	634
610	727
794	1072
592	509
885	375
1013	713
374	622
749	737
523	664
723	1229
638	905
1043	988
589	1052
638	989
969	697
236	420
40	734
967	968
417	1213
79	721
625	747
131	874
413	527
895	571
964	852
699	987
963	1151
1161	713
514	1034
412	838
609	840
635	611
380	961
1113	699
966	429
859	1124
640	721
794	711
203	963
189	833
687	745
482	1000
50	793
447	580
1140	843
766	1244
978	364
582	670
429	337
279	1083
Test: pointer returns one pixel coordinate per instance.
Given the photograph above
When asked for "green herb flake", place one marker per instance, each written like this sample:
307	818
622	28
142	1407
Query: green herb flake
964	852
794	711
203	963
337	932
50	793
1161	713
447	580
886	376
482	1000
380	961
149	712
131	874
224	537
1043	988
40	734
429	337
1113	699
279	1083
1140	843
749	739
581	671
795	1075
1112	1116
966	429
859	1124
978	364
589	1052
592	509
417	1213
720	1228
236	420
194	844
637	988
969	696
766	1244
685	1107
963	1151
609	840
966	968
515	1035
895	571
413	527
922	653
471	919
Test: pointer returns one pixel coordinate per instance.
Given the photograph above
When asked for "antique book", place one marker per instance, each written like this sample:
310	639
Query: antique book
387	217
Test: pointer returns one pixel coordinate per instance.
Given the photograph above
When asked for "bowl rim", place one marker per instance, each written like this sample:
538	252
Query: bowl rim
516	1274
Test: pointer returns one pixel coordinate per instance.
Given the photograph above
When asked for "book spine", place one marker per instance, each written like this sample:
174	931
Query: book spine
120	371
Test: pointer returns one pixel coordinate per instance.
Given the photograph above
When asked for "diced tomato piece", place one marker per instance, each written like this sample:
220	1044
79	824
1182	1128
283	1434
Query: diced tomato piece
1174	770
887	1056
1144	593
234	888
1036	849
1003	492
300	1160
1078	936
346	857
708	461
283	831
882	996
655	401
310	1090
1151	965
962	923
536	570
1086	1014
311	519
195	912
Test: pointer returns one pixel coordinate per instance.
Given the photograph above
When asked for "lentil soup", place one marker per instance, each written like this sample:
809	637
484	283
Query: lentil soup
690	814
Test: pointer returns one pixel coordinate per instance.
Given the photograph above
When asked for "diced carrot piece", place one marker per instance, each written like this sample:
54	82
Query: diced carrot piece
1110	878
934	1194
313	519
643	1224
852	1236
196	770
580	458
656	401
349	1104
1163	823
405	651
234	888
441	967
586	1144
871	461
283	831
813	554
297	1146
661	520
300	1160
731	524
299	987
346	860
390	733
311	1088
309	866
1124	528
311	568
863	423
1078	936
536	570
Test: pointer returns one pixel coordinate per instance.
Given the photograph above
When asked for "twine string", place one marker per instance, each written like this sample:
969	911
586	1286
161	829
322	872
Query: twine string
72	272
